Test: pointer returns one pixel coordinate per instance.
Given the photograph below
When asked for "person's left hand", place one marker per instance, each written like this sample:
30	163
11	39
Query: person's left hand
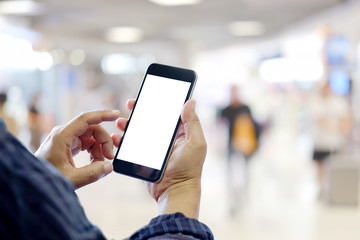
82	133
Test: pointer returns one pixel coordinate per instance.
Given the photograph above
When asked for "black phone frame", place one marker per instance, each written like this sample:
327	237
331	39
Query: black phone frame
140	171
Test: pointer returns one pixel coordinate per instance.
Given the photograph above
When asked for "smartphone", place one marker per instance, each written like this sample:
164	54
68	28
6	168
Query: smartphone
153	123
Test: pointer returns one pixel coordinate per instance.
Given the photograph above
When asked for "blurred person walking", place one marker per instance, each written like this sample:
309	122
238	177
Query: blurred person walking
34	123
331	125
242	143
9	121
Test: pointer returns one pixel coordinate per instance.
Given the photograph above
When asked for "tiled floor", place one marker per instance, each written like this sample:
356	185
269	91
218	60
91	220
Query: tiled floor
120	205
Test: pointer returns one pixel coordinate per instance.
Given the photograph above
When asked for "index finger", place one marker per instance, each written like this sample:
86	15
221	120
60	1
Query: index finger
130	104
80	124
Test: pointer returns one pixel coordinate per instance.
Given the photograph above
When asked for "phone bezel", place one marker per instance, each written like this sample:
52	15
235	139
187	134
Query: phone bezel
140	171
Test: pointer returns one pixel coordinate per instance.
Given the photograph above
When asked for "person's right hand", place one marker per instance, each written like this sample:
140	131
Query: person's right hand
82	133
180	188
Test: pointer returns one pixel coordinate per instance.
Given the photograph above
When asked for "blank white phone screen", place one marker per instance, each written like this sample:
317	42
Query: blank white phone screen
153	121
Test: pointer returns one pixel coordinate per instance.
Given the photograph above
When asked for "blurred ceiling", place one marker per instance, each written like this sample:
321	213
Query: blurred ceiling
72	24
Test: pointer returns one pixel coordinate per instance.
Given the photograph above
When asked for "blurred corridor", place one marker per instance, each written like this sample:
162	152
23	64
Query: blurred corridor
296	67
281	201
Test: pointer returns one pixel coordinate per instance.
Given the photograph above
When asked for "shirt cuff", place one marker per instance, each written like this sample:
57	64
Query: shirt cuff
174	224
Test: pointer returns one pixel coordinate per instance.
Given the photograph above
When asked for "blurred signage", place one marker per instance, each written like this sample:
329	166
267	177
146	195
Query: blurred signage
339	82
337	48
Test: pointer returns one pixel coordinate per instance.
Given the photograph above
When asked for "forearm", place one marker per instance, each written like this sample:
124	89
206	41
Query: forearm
184	198
178	212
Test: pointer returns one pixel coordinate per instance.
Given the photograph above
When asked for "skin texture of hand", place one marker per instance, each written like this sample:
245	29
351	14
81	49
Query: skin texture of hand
82	133
180	188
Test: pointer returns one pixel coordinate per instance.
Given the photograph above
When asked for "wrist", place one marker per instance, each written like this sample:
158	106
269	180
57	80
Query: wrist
181	197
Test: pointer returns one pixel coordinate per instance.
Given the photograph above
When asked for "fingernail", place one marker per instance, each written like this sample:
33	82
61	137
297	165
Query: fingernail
116	111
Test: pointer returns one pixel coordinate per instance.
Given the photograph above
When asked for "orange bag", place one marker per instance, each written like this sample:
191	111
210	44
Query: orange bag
244	135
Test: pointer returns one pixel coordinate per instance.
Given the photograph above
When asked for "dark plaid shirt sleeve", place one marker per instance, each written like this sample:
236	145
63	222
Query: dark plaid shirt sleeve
174	227
37	202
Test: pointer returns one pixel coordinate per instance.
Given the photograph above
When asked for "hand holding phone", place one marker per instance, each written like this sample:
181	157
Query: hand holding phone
180	188
151	130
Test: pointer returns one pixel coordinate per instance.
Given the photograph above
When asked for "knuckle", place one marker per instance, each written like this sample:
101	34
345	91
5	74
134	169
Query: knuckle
56	130
83	116
200	145
203	146
92	176
196	118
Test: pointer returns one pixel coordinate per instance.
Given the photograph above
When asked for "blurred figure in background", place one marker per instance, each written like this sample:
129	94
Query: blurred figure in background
242	143
9	121
34	123
331	125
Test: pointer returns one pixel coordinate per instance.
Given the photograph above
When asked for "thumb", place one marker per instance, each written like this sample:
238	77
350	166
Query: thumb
90	173
188	113
192	126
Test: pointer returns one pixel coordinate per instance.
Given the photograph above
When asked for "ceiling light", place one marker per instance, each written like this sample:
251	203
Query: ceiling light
77	57
58	56
246	28
124	34
118	63
175	2
18	7
43	60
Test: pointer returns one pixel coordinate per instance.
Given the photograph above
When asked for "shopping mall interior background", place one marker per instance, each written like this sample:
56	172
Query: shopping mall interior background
61	58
